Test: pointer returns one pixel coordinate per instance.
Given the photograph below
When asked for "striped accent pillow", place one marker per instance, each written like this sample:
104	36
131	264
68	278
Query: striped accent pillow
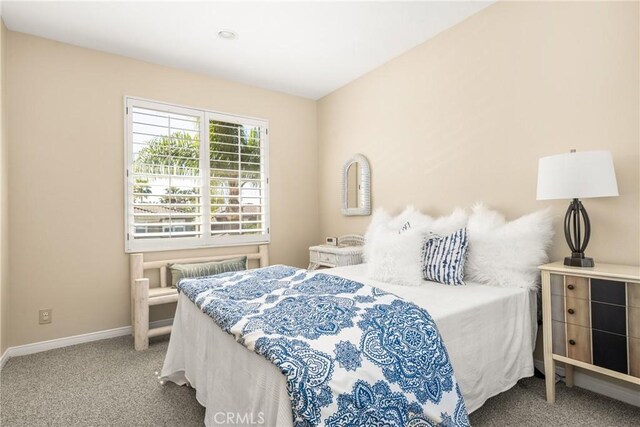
443	257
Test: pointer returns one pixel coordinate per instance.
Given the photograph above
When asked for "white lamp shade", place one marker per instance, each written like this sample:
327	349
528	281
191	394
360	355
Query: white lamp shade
578	175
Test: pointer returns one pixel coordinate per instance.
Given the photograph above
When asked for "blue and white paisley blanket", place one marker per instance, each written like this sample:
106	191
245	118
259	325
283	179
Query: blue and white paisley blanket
352	355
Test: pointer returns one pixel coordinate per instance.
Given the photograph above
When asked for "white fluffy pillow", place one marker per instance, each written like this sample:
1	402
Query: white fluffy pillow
442	226
507	254
395	257
379	221
393	252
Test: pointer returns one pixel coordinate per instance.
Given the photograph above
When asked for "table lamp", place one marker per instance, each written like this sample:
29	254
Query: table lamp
575	176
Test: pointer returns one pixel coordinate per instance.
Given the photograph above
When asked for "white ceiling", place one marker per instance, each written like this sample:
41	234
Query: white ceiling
307	49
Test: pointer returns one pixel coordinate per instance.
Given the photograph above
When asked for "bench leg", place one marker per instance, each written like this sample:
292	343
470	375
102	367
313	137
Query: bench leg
141	314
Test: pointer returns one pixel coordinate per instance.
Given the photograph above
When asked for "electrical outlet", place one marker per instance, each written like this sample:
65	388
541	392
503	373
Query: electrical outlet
45	316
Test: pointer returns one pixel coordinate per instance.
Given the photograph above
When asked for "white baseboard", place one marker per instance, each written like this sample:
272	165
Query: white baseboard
4	358
582	379
23	350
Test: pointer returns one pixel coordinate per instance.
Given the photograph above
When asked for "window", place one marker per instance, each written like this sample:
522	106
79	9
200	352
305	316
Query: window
194	178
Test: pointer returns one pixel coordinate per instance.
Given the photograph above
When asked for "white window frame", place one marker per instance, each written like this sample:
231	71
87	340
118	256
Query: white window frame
206	240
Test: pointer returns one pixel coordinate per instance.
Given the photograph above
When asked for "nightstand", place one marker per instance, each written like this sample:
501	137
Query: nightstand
591	319
334	256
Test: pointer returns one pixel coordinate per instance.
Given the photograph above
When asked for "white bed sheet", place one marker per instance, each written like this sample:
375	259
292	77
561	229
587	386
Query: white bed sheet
489	333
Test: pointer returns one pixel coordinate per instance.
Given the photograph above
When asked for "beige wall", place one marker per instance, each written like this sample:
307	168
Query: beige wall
66	200
465	116
4	196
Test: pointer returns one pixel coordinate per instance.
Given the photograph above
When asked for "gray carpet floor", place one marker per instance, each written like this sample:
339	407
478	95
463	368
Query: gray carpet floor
107	383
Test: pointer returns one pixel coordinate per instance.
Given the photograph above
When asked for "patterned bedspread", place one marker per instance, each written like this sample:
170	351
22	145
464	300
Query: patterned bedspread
352	355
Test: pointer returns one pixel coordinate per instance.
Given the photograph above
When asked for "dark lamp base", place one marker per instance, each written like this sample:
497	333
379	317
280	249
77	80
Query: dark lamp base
574	219
579	262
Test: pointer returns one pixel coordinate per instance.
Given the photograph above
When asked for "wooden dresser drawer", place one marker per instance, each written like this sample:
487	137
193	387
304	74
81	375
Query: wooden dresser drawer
608	291
609	317
633	316
576	287
610	351
579	343
557	308
557	284
633	294
559	344
634	357
577	312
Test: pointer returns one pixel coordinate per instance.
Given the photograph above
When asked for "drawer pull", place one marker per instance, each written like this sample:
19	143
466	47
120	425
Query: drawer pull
572	342
571	311
570	287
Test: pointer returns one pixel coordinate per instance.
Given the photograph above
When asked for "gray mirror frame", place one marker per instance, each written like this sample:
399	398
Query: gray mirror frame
365	186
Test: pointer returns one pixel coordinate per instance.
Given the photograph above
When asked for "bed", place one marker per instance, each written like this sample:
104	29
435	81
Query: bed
489	333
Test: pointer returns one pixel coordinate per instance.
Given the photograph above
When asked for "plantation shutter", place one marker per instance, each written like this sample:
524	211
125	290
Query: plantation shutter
194	178
237	177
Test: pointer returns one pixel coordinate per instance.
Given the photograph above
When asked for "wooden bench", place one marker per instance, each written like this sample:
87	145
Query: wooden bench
143	296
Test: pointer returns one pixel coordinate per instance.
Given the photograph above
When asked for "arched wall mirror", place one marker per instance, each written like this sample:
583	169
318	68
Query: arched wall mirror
356	186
